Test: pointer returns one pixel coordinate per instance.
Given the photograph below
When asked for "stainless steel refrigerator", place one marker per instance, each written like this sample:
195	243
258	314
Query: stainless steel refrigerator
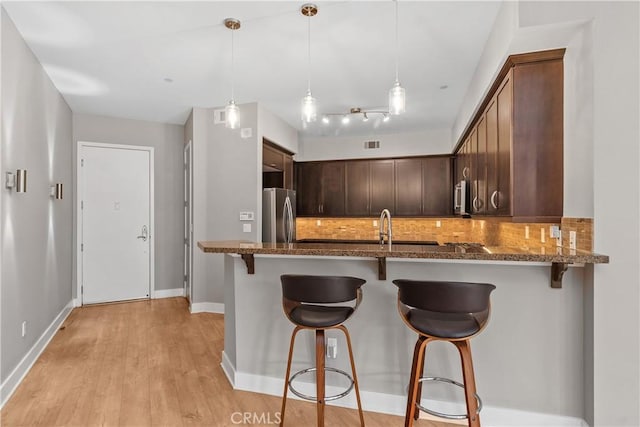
278	215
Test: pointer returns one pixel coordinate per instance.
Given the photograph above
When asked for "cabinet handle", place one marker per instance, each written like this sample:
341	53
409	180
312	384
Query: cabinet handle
477	204
465	172
493	199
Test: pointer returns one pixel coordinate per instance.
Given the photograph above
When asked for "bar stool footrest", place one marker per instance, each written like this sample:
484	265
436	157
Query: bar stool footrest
440	414
314	398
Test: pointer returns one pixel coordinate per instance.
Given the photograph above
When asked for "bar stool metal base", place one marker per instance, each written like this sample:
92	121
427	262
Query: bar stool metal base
327	398
443	415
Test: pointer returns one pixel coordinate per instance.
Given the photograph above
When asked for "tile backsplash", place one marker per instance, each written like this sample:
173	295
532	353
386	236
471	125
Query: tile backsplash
487	231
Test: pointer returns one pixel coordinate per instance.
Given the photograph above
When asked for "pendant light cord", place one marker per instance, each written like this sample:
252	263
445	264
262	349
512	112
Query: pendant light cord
232	65
397	50
309	53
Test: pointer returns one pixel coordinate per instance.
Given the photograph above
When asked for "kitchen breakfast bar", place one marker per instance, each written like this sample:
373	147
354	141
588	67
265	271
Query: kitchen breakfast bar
530	362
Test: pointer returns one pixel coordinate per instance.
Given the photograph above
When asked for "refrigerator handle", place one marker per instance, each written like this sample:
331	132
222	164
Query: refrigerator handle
287	219
291	224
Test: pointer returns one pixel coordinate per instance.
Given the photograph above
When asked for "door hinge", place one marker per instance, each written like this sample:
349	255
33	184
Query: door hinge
186	278
186	240
81	162
186	204
81	204
82	289
81	247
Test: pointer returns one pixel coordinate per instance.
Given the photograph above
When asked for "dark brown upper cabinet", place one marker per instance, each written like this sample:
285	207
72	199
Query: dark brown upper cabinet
277	166
320	188
357	188
437	188
382	186
516	141
408	187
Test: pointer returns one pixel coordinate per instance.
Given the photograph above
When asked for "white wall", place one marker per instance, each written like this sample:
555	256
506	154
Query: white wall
436	141
168	143
36	230
227	179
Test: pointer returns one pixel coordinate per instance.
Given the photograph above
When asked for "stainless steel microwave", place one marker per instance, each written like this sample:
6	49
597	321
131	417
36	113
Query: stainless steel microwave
462	198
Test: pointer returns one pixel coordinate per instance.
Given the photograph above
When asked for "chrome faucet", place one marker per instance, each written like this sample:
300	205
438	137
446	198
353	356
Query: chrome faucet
387	214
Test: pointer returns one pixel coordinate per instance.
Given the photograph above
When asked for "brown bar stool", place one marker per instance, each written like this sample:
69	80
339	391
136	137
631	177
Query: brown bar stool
302	299
444	311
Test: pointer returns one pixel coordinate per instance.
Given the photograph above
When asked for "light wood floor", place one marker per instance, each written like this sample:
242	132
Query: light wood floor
149	363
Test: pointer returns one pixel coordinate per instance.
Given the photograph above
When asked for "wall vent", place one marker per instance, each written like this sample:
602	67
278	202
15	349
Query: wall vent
219	116
371	144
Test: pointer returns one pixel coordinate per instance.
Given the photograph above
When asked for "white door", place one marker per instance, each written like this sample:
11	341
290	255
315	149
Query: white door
116	208
188	222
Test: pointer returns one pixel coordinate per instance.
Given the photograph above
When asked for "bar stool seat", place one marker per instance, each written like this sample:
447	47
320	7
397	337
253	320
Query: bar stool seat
444	311
311	302
319	316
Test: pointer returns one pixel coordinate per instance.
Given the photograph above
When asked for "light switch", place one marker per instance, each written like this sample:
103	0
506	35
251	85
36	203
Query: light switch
246	228
245	133
246	216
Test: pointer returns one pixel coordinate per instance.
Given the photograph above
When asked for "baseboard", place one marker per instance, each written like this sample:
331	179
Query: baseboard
207	307
492	416
17	375
168	293
228	369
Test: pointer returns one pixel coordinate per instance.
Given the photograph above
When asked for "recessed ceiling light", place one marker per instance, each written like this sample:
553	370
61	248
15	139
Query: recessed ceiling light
345	119
325	120
168	80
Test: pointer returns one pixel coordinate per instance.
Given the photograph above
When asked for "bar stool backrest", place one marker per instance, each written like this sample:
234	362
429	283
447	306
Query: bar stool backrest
445	297
320	289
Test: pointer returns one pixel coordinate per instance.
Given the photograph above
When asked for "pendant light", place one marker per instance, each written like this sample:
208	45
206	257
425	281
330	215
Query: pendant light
397	96
309	108
231	111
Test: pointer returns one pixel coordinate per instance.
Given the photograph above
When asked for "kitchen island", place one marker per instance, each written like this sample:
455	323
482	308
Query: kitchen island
529	362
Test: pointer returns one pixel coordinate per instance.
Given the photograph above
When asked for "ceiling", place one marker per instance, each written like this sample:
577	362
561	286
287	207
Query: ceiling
156	60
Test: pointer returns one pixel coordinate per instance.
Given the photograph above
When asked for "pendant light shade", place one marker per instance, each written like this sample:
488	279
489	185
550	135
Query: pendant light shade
232	115
397	97
309	107
231	111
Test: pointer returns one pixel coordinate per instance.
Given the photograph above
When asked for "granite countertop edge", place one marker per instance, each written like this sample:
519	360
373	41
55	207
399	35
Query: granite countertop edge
400	251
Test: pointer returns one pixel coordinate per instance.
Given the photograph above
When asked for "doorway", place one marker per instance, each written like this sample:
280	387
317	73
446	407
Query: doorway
115	222
188	222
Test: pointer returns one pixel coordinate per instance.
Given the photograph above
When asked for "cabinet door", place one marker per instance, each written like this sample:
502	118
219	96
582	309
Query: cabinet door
492	157
272	157
408	187
332	203
480	203
382	190
437	197
308	188
504	100
472	151
288	172
357	187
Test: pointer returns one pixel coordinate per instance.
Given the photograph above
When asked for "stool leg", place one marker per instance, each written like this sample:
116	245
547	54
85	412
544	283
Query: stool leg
464	347
418	356
286	377
353	372
420	371
320	351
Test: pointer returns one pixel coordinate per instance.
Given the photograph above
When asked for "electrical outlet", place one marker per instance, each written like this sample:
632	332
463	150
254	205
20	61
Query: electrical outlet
542	237
246	228
332	348
318	223
375	223
572	240
24	328
438	224
526	232
554	231
559	239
